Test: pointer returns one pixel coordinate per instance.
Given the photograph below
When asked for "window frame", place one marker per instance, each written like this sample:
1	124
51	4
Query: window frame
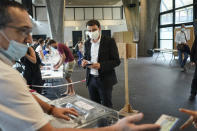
173	25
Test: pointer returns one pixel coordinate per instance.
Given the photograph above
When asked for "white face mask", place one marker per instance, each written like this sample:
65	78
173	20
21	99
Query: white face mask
15	50
94	35
182	29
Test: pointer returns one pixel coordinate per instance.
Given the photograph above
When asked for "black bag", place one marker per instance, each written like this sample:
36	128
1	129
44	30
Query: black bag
181	47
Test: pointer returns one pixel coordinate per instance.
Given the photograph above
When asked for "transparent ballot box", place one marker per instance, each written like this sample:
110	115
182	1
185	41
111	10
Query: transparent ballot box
91	114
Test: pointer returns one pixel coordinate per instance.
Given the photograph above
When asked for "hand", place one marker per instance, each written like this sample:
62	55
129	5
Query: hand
95	66
193	63
63	113
84	63
127	124
56	67
191	120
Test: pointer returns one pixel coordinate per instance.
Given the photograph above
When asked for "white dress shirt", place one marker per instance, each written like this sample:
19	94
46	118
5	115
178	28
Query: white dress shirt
94	55
181	37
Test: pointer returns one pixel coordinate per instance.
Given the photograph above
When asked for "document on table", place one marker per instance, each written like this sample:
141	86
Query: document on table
83	105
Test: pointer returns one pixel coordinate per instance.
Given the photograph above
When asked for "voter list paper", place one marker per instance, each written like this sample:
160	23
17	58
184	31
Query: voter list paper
167	122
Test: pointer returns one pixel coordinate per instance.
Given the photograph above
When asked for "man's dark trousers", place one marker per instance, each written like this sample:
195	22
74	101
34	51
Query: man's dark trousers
98	92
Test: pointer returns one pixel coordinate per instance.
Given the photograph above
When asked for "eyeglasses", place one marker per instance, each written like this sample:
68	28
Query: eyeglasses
24	30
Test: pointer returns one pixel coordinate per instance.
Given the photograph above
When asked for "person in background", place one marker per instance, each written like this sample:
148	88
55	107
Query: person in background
193	58
32	73
39	49
80	52
45	42
47	49
67	60
100	58
182	46
35	44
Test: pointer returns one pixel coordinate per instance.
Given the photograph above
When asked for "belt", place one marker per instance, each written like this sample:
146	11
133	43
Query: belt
95	76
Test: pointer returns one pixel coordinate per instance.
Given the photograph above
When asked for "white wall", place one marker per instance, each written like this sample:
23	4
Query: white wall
42	27
112	21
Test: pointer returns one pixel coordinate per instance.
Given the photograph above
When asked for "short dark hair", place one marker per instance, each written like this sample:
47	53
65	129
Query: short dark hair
51	42
40	41
5	17
92	23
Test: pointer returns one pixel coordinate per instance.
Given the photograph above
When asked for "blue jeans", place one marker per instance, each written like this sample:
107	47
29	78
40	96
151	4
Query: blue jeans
182	61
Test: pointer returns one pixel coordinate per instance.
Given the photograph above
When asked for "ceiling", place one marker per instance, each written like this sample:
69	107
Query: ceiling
82	2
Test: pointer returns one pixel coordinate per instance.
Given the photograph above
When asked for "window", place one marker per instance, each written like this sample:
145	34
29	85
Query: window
166	38
166	33
180	3
166	44
166	19
166	5
184	15
173	14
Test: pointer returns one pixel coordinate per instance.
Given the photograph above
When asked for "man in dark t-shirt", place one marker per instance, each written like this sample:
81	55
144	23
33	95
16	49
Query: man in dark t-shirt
67	60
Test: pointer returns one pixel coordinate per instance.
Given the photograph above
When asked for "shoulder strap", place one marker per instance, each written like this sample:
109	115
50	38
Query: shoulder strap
185	36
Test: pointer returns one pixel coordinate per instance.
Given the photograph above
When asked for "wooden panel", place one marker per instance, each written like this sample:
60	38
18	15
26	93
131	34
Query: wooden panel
118	36
131	50
128	37
125	43
124	37
121	49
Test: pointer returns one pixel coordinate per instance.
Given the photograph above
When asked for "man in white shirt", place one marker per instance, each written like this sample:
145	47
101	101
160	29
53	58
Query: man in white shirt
181	40
102	53
19	109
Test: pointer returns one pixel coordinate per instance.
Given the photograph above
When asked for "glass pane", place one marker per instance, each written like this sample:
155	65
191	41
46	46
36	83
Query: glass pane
166	19
166	44
180	3
166	5
166	33
184	15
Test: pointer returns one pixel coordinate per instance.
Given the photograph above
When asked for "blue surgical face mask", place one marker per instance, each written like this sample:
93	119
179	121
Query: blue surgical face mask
182	29
15	50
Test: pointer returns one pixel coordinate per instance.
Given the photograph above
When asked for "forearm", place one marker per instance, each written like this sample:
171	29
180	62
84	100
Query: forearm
45	106
42	55
61	61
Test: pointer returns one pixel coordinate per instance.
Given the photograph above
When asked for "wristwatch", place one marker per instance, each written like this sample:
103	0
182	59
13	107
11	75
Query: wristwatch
52	107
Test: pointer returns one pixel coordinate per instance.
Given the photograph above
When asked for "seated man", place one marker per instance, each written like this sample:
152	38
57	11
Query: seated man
182	46
19	109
